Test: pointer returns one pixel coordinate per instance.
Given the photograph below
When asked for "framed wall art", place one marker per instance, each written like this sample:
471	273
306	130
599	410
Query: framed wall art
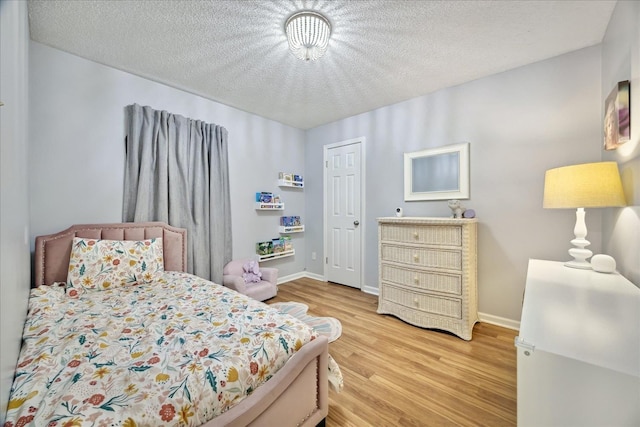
617	116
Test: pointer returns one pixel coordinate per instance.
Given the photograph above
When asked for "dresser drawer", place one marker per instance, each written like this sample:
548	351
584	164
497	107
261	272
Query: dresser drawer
450	235
423	257
426	280
450	307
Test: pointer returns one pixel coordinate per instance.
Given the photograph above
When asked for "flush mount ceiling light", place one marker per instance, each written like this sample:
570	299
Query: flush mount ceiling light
308	34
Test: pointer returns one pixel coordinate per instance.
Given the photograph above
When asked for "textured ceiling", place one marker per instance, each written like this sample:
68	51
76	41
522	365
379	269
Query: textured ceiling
380	52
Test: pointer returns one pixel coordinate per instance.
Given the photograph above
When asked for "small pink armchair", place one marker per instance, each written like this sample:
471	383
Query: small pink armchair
267	288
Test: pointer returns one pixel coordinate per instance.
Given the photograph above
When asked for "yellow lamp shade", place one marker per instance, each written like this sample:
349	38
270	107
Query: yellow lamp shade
589	185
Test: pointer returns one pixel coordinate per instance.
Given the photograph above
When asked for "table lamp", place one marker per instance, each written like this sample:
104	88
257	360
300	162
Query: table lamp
589	185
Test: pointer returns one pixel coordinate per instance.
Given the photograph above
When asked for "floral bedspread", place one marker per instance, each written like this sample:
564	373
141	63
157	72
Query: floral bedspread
176	352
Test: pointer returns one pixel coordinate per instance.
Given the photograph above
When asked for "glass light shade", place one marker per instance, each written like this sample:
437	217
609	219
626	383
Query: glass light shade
308	35
589	185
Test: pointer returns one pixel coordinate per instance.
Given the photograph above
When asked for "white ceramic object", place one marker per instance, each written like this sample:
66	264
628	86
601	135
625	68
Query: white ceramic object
603	263
398	212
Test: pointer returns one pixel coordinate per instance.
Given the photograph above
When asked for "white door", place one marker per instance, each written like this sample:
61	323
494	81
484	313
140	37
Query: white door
342	213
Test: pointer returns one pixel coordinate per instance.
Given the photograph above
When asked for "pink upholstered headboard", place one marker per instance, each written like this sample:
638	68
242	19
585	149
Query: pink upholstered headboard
53	251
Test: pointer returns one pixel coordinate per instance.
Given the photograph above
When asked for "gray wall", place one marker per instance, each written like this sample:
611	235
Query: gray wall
519	123
77	149
621	61
14	203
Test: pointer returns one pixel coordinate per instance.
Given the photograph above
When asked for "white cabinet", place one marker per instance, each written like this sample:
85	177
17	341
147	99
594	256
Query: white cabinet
427	272
578	348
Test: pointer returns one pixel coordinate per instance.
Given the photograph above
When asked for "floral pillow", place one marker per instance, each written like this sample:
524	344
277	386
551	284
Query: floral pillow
103	264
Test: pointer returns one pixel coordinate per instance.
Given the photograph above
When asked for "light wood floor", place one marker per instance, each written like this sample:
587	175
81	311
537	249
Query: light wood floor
396	374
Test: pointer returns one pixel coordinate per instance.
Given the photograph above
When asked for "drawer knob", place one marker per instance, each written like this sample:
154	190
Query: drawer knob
415	257
416	302
416	279
415	234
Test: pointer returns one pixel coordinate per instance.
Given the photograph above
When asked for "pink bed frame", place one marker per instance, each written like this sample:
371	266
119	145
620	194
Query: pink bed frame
297	395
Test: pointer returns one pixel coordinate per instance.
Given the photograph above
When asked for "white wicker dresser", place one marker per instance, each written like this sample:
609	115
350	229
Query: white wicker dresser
428	272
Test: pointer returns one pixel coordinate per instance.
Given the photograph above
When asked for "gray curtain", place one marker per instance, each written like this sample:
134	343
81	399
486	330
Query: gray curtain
176	171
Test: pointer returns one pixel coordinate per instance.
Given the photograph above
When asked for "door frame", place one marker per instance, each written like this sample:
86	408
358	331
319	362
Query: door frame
362	142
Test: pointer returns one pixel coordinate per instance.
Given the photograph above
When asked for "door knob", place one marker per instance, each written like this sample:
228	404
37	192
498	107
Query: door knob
356	222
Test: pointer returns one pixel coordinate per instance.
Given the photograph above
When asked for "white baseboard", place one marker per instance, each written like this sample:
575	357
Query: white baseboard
366	289
370	290
484	317
300	275
315	276
499	321
291	277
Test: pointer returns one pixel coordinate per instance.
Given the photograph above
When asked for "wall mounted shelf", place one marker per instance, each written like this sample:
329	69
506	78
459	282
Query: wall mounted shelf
270	257
290	183
292	229
269	206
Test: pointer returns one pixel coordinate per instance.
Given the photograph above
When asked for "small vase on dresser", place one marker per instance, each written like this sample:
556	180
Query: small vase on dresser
428	272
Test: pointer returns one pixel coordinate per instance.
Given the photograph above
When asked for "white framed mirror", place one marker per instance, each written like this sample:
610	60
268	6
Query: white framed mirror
437	173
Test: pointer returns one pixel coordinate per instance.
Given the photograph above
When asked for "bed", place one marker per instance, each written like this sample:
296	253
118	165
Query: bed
141	355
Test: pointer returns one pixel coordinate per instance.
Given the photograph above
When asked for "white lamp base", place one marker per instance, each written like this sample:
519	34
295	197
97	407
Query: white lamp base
579	253
576	263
